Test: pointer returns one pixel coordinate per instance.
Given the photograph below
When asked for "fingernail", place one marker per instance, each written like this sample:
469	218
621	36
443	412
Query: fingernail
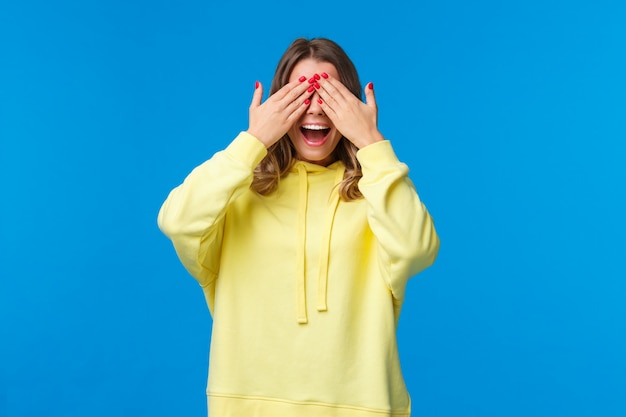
256	85
307	101
316	85
319	100
302	79
317	77
310	89
324	75
371	86
311	80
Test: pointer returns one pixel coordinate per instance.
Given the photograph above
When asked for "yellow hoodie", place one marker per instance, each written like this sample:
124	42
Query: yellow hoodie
304	289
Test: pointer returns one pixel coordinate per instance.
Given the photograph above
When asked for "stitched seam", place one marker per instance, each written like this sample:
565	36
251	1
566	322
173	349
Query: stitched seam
312	403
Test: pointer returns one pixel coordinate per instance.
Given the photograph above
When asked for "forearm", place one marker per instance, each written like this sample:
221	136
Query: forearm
192	214
398	218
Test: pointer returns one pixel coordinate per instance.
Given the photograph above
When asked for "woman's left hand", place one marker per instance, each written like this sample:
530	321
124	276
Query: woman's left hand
357	121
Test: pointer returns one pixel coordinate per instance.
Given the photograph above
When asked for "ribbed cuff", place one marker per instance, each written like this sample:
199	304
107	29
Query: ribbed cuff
377	154
247	149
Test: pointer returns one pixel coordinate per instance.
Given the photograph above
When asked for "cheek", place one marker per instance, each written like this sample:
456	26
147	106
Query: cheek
293	133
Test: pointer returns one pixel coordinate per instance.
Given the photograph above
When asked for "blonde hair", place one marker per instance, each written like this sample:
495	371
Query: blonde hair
281	155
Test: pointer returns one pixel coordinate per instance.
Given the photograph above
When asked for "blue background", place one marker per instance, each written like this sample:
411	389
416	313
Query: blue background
511	116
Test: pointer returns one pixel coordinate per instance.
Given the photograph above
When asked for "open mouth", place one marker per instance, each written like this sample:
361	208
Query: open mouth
315	135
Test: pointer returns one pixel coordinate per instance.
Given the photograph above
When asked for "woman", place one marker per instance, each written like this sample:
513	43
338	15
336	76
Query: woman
302	234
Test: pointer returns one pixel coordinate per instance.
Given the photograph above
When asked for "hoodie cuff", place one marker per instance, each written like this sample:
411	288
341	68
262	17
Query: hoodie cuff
376	155
247	149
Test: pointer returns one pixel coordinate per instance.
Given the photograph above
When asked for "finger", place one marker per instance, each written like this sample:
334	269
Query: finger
298	112
335	88
258	95
297	108
290	91
370	98
294	99
337	96
328	109
300	92
330	96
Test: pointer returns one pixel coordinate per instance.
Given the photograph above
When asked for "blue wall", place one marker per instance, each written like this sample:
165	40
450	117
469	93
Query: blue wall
511	115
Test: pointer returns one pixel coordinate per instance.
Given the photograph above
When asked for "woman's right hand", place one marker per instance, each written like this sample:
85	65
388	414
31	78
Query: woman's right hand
269	121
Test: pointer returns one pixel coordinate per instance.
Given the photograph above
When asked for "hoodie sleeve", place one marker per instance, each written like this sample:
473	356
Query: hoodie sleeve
403	227
192	216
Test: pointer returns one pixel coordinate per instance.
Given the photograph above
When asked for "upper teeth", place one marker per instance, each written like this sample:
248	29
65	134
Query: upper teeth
314	127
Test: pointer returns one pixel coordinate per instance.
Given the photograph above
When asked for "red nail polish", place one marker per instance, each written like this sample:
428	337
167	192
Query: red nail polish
311	80
316	85
256	85
310	89
317	77
371	86
324	75
307	101
319	100
302	79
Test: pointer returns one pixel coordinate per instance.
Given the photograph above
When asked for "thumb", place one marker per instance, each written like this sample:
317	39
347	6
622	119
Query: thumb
258	94
370	99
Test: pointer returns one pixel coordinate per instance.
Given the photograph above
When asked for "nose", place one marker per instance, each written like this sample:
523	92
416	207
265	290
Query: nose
315	107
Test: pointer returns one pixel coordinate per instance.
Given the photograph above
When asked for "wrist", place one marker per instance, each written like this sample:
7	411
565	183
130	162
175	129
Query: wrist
258	137
369	139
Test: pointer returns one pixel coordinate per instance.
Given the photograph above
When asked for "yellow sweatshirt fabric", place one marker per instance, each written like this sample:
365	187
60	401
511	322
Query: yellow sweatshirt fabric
304	288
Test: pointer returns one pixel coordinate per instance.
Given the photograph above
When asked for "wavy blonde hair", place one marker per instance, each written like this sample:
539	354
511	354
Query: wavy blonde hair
281	155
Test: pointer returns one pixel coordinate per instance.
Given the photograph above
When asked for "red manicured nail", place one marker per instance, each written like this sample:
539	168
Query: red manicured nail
307	101
302	79
319	100
317	77
256	85
324	75
311	80
316	85
371	86
310	89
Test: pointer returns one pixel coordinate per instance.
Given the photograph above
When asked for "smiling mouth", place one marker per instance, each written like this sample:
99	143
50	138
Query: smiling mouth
314	135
